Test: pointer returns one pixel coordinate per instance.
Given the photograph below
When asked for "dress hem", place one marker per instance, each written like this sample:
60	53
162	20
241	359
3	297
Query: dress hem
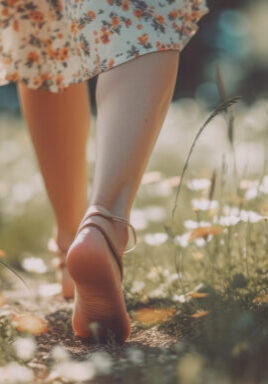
61	87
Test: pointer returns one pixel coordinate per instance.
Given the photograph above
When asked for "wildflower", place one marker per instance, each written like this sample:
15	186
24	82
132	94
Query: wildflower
227	221
34	264
251	193
151	177
73	371
59	353
25	347
251	216
135	356
191	224
158	293
155	238
155	272
102	362
49	289
16	373
182	240
198	184
137	286
179	298
138	219
204	204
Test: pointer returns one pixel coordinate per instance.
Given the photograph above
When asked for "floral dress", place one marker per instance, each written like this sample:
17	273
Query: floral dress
51	44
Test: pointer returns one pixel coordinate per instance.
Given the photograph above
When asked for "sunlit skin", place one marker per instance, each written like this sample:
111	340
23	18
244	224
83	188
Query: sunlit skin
132	103
59	126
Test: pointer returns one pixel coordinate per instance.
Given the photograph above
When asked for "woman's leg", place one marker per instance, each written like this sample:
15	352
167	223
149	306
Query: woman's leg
132	102
59	127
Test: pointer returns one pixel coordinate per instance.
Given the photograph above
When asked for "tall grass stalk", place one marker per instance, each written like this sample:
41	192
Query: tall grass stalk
9	268
229	116
223	107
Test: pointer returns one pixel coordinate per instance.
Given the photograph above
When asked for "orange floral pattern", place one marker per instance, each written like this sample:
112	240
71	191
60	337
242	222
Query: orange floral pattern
51	44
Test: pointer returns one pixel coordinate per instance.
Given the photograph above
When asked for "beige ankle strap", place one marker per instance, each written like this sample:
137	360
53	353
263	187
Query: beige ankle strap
102	211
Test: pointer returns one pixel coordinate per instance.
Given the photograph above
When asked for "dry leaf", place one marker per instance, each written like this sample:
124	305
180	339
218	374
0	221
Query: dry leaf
204	232
257	300
154	315
200	314
30	323
198	295
2	253
2	300
260	299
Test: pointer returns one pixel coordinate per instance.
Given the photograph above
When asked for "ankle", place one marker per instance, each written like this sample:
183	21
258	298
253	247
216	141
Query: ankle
119	229
64	239
120	207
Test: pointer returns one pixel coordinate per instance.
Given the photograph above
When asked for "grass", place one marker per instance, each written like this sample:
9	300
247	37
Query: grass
196	289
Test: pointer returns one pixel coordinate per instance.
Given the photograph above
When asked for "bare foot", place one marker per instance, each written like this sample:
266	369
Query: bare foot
60	248
100	308
67	283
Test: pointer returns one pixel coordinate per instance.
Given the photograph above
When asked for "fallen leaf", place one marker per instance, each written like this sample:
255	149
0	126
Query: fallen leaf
260	299
30	323
198	295
200	314
257	300
154	315
204	232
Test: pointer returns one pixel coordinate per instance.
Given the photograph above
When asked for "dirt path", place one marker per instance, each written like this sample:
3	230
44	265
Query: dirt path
150	343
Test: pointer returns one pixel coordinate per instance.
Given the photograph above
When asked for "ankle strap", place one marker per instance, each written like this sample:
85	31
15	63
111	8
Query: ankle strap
102	211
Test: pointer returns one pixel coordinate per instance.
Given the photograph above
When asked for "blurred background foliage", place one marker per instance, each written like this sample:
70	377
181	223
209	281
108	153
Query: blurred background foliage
232	35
